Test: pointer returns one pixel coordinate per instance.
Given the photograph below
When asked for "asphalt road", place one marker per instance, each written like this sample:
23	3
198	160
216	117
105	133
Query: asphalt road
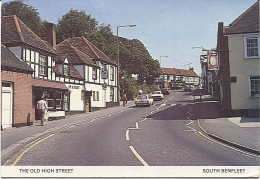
165	134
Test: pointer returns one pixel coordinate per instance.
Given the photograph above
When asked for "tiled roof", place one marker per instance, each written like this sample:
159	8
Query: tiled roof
9	61
87	48
248	22
15	31
180	72
73	72
74	55
48	84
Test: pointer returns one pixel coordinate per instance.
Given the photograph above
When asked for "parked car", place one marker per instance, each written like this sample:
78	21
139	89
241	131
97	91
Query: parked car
157	95
144	100
187	88
165	91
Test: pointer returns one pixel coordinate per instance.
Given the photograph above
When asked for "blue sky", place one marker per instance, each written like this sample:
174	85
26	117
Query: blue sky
166	27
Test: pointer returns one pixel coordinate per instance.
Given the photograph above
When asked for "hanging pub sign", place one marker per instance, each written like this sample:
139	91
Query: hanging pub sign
213	62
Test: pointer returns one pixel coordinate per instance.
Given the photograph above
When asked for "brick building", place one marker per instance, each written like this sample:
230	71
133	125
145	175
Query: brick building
16	90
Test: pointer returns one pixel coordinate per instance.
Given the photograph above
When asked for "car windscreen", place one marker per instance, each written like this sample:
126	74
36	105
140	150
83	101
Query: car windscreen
142	97
156	92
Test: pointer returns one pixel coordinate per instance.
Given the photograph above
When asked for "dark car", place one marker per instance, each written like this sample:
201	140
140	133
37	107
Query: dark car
187	88
165	91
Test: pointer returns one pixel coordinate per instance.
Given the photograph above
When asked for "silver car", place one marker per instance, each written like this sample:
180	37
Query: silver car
144	100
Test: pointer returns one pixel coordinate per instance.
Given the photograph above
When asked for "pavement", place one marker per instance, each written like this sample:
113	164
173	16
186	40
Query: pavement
240	132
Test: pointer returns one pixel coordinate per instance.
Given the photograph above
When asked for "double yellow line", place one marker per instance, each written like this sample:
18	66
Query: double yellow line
228	146
31	145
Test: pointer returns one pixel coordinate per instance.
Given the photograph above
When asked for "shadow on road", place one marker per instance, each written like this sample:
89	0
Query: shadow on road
177	112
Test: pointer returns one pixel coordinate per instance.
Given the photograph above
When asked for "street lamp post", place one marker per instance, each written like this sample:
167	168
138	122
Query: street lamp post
160	59
118	82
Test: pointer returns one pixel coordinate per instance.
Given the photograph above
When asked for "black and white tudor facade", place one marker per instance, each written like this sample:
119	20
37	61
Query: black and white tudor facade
76	77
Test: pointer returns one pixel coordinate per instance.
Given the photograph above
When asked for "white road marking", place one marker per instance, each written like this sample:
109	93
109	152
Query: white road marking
143	119
189	123
109	114
127	135
138	156
136	124
133	128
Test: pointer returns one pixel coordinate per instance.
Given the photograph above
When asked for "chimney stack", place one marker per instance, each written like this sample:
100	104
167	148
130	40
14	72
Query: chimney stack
51	34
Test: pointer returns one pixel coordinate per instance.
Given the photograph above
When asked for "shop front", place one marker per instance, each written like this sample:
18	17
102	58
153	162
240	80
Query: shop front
57	97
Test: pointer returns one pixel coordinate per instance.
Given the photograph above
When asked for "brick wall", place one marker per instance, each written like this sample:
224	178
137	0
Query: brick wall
224	69
22	92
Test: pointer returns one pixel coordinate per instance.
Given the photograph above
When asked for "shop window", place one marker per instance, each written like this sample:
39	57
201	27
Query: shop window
50	101
111	94
254	86
58	100
66	101
43	66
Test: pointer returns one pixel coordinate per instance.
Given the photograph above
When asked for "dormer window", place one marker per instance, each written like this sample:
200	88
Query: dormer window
66	69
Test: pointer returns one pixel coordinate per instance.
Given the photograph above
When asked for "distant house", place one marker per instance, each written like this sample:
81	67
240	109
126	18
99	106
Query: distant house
98	71
177	78
16	92
239	56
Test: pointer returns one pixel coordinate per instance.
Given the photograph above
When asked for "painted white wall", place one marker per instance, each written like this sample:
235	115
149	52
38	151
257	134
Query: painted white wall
76	103
95	87
242	68
56	113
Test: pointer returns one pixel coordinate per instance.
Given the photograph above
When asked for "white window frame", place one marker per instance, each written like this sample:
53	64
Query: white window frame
42	66
112	73
59	100
250	86
66	69
245	46
111	94
94	73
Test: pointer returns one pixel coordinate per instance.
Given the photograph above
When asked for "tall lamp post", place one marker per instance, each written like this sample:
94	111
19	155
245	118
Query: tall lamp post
118	82
160	59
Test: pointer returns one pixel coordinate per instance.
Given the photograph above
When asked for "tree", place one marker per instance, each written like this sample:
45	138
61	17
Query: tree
76	24
28	14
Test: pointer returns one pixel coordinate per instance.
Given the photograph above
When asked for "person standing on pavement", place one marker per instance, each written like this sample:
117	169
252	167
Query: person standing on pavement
42	107
124	99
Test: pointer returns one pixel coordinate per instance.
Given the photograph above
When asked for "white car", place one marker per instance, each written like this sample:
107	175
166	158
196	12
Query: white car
144	100
157	95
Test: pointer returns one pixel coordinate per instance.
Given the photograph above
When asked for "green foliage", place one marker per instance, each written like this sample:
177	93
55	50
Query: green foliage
75	24
134	57
28	14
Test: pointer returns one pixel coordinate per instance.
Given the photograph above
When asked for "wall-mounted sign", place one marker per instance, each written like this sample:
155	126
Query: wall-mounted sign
213	62
104	86
73	87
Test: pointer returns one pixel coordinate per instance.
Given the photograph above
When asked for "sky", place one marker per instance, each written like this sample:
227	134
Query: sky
166	27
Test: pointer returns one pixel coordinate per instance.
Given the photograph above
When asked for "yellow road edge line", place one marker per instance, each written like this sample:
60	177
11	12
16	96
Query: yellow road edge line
21	155
228	146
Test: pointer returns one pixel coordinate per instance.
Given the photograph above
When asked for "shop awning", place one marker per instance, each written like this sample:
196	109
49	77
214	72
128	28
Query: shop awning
48	84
